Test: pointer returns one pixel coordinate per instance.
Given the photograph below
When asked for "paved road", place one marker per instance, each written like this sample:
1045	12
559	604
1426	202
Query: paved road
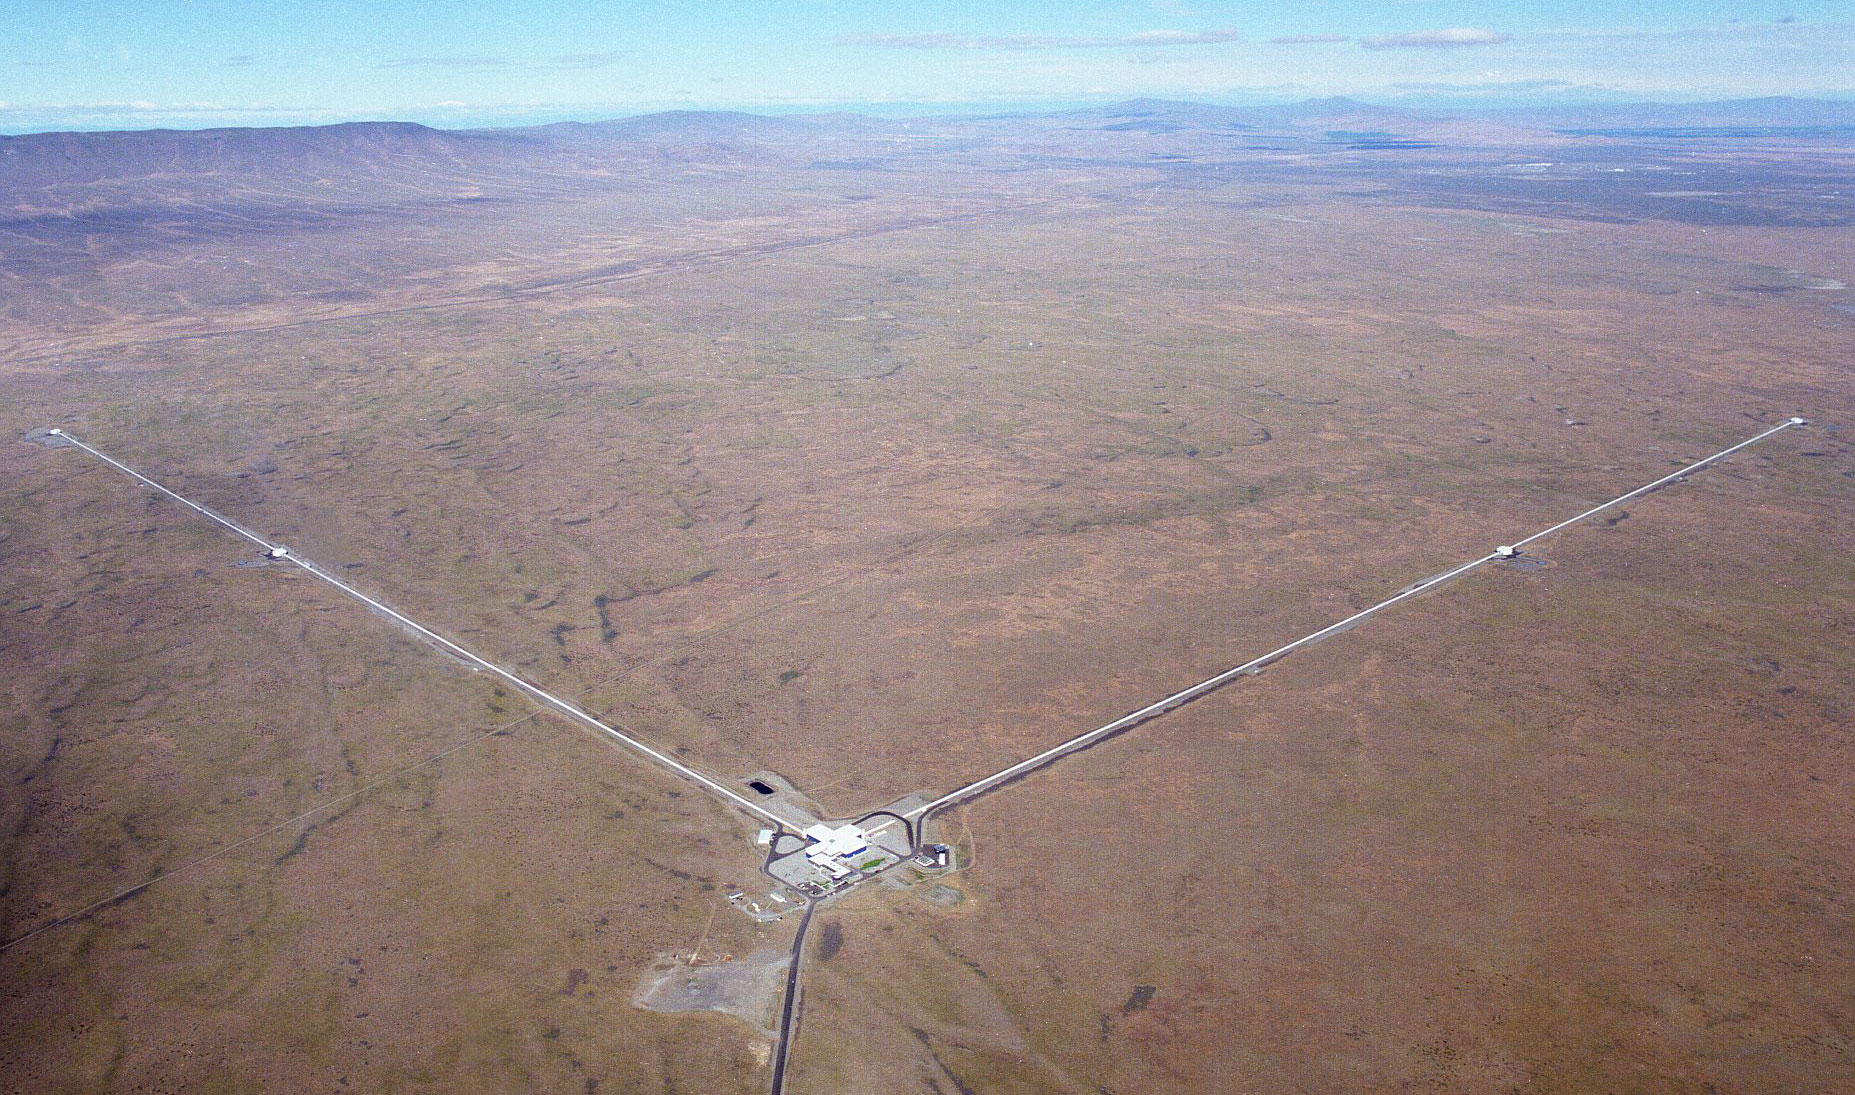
547	699
1177	699
789	1010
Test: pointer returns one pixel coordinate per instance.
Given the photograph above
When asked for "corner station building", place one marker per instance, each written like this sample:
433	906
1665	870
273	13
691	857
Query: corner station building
831	846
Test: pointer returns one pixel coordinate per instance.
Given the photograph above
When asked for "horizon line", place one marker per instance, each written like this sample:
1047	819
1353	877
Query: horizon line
200	118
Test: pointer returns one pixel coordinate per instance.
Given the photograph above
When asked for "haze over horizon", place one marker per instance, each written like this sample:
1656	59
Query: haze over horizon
118	65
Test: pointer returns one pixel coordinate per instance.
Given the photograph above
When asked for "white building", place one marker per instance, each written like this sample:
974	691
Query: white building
831	847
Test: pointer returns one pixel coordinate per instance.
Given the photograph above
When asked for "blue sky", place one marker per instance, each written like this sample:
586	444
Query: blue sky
116	63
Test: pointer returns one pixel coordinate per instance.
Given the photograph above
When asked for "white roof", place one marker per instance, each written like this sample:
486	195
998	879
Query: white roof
841	841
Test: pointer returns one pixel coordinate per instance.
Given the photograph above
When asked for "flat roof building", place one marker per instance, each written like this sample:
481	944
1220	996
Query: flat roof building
830	845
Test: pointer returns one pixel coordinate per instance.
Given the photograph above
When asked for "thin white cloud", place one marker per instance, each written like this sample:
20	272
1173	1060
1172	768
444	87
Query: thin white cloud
144	106
587	60
493	63
1728	31
1308	39
950	40
1444	38
1542	84
472	61
141	113
1179	37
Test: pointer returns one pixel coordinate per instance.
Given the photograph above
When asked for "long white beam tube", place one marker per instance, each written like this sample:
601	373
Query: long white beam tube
543	696
1082	741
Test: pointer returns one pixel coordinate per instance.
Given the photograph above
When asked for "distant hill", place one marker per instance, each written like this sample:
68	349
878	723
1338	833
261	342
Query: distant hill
40	158
374	215
359	148
44	159
353	155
